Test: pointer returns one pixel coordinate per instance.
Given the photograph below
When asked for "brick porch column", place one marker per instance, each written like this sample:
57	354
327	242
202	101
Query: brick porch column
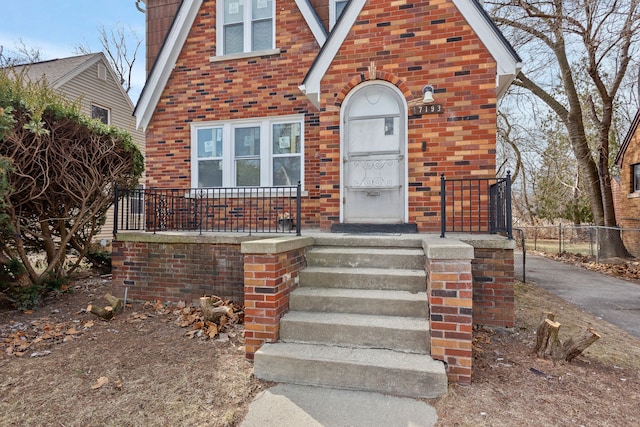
450	292
271	269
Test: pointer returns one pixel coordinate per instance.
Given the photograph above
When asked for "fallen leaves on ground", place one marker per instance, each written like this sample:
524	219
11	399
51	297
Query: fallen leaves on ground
100	382
618	267
192	317
17	338
20	338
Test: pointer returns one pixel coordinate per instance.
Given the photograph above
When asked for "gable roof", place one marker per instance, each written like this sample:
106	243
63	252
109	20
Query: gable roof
59	72
165	61
508	61
627	139
313	20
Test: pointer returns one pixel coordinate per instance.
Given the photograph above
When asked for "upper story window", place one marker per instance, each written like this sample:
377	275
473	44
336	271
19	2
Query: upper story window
248	153
636	177
246	26
335	10
100	113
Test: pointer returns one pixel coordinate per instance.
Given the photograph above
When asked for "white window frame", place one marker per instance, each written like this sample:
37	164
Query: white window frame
333	11
247	20
108	110
228	149
635	178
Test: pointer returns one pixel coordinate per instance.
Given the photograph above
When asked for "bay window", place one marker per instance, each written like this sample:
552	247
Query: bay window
243	153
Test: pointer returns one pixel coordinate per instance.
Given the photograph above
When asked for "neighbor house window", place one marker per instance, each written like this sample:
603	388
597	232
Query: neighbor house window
100	113
246	26
336	7
262	153
636	177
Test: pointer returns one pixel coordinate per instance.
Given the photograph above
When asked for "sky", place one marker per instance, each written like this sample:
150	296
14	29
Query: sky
57	27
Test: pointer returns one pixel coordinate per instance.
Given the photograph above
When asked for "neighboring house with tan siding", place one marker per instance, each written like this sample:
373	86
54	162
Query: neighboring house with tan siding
90	80
628	201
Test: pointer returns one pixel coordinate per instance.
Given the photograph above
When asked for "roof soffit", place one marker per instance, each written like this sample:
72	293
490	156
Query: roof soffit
165	61
627	139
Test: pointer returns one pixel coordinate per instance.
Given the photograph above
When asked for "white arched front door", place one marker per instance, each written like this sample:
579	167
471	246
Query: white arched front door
373	151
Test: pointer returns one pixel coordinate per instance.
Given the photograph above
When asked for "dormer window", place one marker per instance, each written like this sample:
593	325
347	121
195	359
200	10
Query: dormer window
335	10
245	26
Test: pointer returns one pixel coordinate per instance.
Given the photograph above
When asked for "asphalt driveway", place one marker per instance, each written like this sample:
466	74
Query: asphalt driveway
615	300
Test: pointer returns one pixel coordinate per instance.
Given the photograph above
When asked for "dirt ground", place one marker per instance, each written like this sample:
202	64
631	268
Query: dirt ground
60	366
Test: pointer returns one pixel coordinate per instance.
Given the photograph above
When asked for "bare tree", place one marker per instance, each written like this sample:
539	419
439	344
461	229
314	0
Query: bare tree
20	56
119	52
576	47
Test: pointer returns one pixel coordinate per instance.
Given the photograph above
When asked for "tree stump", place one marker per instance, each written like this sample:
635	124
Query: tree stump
548	344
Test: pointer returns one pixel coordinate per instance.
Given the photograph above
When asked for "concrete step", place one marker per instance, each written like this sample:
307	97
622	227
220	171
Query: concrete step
382	371
392	258
369	240
359	301
364	278
405	334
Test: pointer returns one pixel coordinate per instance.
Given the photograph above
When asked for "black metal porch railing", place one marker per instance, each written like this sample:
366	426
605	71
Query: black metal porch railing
238	210
476	205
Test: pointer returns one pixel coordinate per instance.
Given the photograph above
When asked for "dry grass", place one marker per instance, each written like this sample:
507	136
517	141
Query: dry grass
511	387
159	377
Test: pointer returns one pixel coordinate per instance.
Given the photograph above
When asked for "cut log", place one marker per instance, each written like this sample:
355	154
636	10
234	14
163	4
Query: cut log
213	310
573	349
115	303
548	343
107	312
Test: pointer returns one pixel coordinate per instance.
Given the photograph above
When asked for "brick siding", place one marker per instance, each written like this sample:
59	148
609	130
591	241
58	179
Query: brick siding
269	279
628	212
449	289
493	292
183	271
408	45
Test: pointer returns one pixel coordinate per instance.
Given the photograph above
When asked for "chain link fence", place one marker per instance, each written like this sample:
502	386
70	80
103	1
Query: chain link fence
575	239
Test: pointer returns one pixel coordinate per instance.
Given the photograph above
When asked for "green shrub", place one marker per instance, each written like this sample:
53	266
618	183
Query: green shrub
100	259
27	297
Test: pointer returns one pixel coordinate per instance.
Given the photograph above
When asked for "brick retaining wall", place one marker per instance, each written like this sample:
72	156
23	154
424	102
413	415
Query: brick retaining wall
469	281
178	268
493	292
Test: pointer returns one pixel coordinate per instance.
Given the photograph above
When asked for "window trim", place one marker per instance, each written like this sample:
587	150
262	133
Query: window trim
108	110
228	154
635	178
247	28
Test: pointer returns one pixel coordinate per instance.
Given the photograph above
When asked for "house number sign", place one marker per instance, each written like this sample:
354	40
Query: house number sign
418	110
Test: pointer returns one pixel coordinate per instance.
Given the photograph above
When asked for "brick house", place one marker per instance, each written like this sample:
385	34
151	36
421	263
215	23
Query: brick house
627	197
367	104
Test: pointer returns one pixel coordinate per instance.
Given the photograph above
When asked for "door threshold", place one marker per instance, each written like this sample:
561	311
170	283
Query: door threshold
374	228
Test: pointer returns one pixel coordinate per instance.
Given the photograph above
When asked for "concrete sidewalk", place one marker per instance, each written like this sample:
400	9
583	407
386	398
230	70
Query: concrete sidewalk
615	300
287	405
